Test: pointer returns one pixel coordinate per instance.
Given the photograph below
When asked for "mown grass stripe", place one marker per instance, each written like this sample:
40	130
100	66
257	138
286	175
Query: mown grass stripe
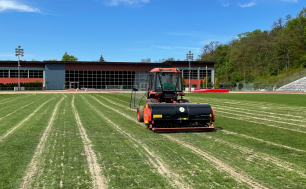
32	169
112	102
258	155
261	140
219	163
258	118
224	166
24	120
20	108
254	107
161	165
261	123
95	170
12	99
263	114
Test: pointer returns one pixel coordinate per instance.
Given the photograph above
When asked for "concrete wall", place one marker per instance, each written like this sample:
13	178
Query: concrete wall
55	74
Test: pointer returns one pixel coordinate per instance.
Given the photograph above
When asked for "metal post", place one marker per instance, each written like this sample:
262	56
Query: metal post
189	57
18	52
18	73
189	77
244	80
206	76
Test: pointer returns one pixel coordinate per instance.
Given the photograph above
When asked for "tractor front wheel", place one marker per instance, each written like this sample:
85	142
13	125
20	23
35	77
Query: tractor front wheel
140	114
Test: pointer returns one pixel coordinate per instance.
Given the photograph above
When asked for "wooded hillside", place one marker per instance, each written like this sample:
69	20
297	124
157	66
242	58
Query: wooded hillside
265	56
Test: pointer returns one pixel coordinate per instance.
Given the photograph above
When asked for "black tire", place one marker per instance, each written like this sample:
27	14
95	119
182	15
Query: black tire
184	101
140	114
151	100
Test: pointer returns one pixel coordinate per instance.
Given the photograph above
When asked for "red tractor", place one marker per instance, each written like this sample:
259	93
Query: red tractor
163	109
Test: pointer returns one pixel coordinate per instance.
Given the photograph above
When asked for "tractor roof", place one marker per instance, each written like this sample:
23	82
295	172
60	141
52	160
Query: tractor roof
173	70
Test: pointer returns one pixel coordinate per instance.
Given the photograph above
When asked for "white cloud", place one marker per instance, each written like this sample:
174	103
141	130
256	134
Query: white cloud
14	5
247	4
224	3
129	2
292	1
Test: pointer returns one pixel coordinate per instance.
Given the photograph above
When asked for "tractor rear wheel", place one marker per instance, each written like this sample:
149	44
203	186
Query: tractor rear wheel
140	114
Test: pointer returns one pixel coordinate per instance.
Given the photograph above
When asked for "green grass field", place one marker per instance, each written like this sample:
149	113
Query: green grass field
95	141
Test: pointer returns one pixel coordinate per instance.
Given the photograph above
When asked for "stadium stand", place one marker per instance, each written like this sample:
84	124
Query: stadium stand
298	85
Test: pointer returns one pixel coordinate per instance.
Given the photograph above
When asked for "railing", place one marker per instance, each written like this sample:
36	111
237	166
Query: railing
290	78
25	88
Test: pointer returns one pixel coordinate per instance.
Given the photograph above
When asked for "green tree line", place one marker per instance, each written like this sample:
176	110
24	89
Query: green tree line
263	56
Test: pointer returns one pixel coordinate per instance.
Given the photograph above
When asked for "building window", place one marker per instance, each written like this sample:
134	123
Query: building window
203	74
35	74
23	74
100	79
193	74
4	73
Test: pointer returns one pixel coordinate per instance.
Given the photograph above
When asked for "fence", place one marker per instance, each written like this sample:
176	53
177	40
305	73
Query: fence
25	88
290	78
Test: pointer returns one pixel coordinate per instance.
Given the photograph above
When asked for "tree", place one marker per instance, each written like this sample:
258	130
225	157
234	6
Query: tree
47	82
183	81
204	83
201	84
101	59
67	57
216	84
148	60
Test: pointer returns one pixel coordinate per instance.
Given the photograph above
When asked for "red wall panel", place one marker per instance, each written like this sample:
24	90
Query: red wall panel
193	81
22	80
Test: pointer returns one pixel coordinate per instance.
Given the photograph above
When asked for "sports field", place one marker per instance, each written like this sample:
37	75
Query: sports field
94	141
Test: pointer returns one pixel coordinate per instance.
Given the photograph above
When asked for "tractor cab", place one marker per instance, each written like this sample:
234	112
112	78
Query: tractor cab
165	84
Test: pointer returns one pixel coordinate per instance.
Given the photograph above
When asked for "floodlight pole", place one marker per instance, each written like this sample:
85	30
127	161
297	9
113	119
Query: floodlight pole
18	52
189	56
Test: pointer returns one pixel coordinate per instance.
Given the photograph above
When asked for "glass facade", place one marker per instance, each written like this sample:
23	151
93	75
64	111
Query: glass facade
23	74
99	79
194	74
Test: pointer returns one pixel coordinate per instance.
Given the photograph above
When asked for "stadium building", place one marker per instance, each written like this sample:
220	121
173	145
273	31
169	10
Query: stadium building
96	75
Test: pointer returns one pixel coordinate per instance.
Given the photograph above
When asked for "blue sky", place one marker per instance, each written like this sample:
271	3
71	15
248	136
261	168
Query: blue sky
130	30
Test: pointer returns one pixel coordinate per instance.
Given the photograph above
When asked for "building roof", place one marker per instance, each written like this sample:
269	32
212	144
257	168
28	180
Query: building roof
166	63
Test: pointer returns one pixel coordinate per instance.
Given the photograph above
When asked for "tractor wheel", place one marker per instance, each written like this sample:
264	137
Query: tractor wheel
151	100
184	101
140	114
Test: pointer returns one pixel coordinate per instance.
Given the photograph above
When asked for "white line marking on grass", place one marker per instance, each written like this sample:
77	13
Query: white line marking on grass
258	155
32	169
20	108
261	123
14	98
161	166
261	140
119	100
262	113
117	104
269	120
95	170
254	106
14	128
233	172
